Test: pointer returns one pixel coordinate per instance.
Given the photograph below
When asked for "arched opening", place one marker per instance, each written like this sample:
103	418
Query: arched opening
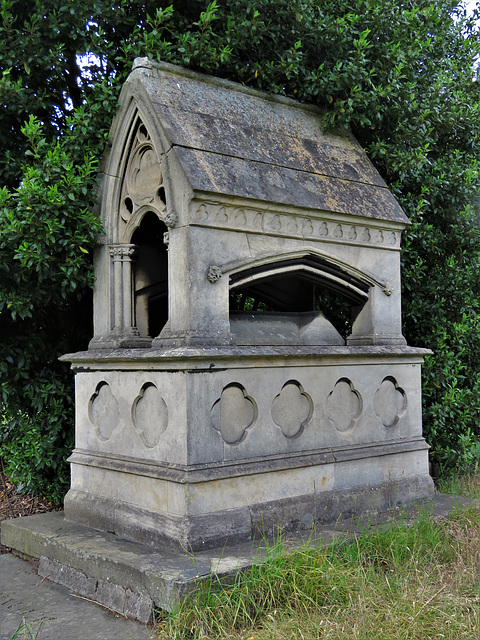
305	300
150	276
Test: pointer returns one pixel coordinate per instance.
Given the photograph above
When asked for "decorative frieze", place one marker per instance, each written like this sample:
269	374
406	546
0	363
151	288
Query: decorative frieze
295	226
235	412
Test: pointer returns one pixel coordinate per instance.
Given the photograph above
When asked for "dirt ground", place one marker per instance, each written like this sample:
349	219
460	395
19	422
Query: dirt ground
17	505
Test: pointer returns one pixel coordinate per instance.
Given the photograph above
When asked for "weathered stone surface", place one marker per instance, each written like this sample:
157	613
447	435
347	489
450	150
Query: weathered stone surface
275	328
32	607
195	423
166	575
137	606
243	188
234	176
267	140
282	433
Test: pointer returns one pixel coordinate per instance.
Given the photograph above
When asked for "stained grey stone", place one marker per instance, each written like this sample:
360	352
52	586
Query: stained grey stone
198	425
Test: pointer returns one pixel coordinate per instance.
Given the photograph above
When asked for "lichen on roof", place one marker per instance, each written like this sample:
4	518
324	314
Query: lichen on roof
237	141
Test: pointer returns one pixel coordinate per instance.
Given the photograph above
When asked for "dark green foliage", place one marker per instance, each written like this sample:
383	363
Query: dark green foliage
400	75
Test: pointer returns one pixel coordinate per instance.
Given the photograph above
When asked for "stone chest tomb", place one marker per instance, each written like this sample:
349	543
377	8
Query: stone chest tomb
217	400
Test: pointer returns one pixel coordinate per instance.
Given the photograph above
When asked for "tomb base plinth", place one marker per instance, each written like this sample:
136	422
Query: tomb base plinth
206	446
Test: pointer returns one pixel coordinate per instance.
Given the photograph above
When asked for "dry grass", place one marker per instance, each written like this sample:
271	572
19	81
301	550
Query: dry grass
466	484
15	505
405	583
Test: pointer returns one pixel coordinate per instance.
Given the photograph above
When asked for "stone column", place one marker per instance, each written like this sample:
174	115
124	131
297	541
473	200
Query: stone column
117	259
122	294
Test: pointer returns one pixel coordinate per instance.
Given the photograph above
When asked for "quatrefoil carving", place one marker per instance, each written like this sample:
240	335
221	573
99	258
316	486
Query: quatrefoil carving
292	409
344	405
389	402
233	413
103	411
150	415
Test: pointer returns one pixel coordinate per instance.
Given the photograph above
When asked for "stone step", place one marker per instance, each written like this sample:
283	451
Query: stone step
134	579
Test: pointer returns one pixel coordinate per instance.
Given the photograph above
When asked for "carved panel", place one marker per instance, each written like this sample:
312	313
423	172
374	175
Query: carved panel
308	228
103	411
323	230
389	402
344	405
268	222
233	413
150	415
292	409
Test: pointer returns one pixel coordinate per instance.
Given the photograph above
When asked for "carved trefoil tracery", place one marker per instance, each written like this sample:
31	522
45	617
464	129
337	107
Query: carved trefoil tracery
142	184
141	193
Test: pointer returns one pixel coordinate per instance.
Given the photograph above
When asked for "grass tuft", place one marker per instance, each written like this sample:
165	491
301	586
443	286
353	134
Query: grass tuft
27	630
466	484
405	582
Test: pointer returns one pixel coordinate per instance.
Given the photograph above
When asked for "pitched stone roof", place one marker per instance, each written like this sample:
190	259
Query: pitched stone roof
237	141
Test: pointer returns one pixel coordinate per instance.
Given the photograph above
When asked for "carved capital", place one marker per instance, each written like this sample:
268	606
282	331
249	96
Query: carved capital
122	251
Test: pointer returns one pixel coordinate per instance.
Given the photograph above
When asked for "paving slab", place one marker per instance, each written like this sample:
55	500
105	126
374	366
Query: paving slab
132	578
38	608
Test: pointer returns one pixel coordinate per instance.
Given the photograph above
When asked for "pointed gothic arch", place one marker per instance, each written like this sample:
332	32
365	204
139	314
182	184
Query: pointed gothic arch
304	297
134	211
140	184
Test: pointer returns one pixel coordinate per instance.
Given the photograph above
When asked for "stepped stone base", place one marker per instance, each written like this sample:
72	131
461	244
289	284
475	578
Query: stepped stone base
204	447
133	579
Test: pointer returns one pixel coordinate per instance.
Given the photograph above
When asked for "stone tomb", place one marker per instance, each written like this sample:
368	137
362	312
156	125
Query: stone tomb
217	400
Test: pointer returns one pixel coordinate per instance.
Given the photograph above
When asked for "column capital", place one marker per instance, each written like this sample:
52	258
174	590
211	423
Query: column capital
122	251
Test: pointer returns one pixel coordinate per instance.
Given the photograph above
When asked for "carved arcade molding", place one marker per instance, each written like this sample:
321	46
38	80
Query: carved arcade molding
289	225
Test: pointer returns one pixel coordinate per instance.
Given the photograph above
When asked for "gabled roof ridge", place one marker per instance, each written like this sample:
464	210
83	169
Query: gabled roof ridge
176	70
